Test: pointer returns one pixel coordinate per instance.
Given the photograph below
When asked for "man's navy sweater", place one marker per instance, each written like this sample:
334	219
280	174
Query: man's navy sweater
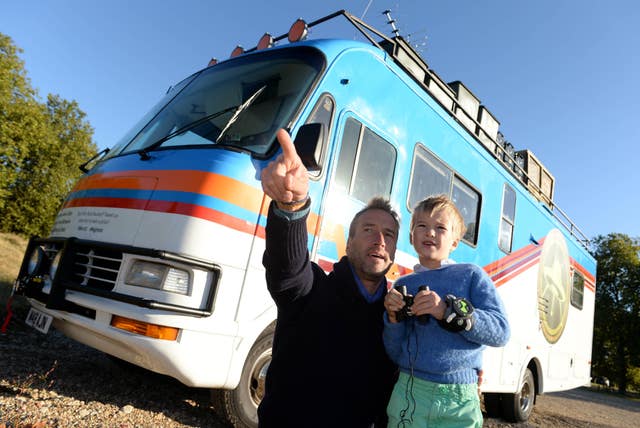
329	366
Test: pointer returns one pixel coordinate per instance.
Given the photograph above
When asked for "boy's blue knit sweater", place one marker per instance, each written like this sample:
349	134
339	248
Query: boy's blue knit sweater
438	355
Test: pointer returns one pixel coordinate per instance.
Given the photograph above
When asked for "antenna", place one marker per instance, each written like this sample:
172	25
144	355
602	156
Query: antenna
366	9
391	21
418	40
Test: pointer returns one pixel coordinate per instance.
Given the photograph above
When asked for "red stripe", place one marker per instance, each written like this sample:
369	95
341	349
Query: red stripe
526	266
513	267
500	271
202	182
500	264
326	265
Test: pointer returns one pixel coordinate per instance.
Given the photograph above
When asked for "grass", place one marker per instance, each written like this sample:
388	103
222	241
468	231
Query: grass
12	249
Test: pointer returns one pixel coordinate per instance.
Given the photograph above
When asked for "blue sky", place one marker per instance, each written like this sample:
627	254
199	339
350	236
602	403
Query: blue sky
561	76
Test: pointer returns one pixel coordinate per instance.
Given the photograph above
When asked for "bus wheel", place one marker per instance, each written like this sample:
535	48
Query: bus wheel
518	407
240	406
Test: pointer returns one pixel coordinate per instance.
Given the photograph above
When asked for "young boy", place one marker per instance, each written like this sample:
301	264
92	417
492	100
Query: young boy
437	340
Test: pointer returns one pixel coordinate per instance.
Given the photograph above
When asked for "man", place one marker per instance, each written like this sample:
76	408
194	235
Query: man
329	366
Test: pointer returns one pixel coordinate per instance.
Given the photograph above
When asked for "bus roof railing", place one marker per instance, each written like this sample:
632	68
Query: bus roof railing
446	95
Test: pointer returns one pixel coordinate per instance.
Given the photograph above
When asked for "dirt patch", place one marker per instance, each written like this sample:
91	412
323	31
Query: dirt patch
57	382
591	408
580	407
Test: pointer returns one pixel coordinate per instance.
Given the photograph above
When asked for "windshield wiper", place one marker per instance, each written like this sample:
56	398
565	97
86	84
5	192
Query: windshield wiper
242	107
144	155
84	168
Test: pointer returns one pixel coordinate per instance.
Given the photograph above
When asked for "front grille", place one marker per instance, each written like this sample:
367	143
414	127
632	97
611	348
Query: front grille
94	266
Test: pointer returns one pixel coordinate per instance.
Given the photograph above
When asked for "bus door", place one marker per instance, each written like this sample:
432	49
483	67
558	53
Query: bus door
363	167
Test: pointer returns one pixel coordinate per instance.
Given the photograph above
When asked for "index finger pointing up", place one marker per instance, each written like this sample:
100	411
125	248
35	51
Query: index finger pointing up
288	149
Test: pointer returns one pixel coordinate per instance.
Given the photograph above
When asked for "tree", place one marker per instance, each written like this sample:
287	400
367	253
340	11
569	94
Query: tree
617	314
21	117
41	147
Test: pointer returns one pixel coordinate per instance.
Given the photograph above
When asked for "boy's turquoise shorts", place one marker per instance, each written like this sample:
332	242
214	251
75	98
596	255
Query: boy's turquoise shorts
420	403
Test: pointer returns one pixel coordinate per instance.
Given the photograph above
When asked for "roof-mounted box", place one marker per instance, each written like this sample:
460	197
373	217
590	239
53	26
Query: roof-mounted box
466	109
539	180
440	90
487	131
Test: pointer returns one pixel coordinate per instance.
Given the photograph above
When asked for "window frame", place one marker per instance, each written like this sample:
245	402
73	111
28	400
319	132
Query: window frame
504	218
328	131
453	177
575	302
351	189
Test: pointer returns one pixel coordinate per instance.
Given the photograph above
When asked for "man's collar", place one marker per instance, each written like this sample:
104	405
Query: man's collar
370	298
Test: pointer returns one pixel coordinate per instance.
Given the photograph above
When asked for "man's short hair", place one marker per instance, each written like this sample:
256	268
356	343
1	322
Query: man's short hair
377	203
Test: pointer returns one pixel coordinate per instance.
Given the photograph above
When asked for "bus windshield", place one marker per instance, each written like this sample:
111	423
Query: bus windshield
239	103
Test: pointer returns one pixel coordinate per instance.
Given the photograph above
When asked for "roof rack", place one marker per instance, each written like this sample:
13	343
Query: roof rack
466	109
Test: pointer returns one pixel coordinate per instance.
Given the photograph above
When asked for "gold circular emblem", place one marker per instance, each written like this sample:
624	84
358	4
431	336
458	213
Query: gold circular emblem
553	286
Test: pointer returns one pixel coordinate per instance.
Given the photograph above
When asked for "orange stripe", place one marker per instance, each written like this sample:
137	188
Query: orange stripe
495	267
243	195
516	272
205	183
313	220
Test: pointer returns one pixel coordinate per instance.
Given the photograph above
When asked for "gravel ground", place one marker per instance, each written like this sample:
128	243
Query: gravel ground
51	381
58	382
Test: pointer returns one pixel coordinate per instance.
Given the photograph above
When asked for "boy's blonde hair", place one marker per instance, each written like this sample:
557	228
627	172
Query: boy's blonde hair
437	203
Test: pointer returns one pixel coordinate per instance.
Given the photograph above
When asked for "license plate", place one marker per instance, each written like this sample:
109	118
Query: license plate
38	320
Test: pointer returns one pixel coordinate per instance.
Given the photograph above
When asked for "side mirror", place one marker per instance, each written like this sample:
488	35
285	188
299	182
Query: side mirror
308	144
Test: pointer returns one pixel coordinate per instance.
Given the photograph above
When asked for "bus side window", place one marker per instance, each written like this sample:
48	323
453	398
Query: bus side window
366	163
507	220
322	113
467	200
430	176
577	290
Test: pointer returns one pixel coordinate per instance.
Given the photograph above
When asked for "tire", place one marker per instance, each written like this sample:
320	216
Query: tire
492	404
240	406
518	407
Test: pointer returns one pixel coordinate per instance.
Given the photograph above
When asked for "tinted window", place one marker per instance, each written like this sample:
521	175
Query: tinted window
347	157
467	200
241	102
430	176
577	290
505	239
365	164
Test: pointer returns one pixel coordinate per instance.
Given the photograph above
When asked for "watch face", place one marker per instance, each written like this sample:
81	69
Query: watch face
462	307
553	286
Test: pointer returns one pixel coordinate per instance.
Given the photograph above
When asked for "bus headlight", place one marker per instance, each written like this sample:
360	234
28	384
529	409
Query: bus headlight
54	265
161	277
35	261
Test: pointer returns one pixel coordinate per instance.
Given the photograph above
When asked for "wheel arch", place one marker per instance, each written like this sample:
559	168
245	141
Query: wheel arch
538	378
242	351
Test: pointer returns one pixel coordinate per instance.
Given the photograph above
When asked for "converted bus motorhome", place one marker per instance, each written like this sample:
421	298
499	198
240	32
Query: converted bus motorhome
155	256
